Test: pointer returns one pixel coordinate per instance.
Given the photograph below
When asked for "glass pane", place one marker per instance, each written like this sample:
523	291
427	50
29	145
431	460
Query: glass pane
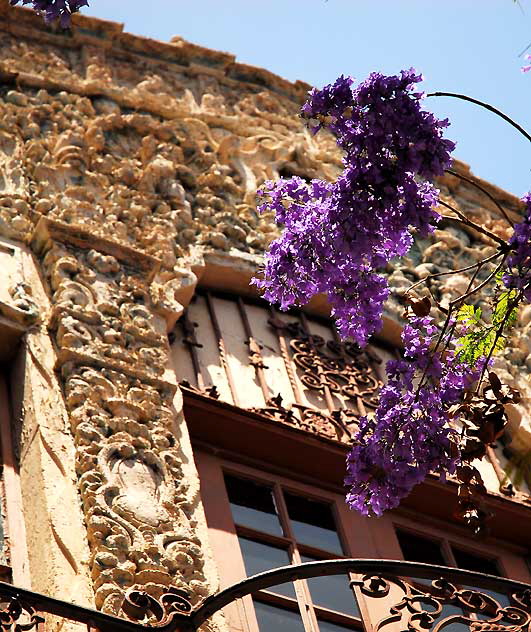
415	548
478	563
313	523
252	505
273	619
501	598
474	562
450	610
332	592
326	626
259	557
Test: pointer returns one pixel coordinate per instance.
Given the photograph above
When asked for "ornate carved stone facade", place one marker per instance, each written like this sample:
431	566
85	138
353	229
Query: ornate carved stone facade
129	167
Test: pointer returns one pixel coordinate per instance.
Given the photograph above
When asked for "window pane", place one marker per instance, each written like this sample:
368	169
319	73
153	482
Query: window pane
272	619
490	612
259	557
332	592
473	562
252	505
313	523
415	548
450	610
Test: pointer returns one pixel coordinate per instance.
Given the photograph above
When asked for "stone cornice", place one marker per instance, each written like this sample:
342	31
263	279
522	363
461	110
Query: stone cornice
109	36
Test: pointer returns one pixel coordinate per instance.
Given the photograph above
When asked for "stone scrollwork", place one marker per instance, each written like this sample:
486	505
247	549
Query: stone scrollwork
112	353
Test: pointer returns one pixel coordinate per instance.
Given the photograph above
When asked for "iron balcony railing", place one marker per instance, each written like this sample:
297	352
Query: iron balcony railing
398	596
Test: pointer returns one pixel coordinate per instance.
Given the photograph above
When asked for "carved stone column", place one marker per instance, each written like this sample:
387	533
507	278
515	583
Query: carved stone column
112	356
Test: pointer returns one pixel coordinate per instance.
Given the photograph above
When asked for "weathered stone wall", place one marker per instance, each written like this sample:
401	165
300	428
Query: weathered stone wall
130	167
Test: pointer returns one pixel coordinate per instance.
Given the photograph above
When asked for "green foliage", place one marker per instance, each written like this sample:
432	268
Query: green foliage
484	339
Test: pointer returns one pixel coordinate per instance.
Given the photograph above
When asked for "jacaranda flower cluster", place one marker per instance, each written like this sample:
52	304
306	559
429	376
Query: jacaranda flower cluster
518	275
410	434
337	236
53	10
337	239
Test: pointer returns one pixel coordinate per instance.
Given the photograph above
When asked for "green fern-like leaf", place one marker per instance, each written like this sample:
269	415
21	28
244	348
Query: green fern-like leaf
483	339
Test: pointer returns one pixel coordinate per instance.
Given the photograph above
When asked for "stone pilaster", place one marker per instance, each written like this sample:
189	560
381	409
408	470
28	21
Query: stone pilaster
112	355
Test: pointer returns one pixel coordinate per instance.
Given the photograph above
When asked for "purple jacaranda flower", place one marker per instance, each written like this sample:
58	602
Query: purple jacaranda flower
53	10
337	236
518	274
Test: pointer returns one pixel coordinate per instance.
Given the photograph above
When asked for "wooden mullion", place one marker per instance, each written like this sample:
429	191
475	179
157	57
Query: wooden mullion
301	587
321	554
283	514
262	536
274	599
448	554
340	618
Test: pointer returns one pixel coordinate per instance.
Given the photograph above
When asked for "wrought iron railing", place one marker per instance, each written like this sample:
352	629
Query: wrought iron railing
398	596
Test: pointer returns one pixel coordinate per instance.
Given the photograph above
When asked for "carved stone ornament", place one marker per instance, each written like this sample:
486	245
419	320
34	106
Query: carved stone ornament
124	162
112	352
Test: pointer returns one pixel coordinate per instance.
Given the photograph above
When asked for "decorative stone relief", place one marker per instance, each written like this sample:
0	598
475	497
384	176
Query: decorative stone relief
141	159
112	353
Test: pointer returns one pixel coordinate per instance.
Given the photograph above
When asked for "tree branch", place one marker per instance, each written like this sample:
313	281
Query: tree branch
475	184
463	219
488	107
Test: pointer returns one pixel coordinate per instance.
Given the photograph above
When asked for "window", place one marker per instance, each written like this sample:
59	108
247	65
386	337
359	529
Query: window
418	548
260	519
290	368
277	527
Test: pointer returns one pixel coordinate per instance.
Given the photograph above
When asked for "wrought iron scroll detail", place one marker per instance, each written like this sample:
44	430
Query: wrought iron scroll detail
340	373
474	601
422	607
338	425
140	606
331	368
342	367
18	616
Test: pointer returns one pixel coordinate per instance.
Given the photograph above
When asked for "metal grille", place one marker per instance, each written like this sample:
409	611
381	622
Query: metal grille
287	366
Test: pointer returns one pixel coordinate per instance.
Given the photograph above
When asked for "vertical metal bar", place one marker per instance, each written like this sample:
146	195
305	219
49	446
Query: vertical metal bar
320	372
284	352
190	341
255	355
222	349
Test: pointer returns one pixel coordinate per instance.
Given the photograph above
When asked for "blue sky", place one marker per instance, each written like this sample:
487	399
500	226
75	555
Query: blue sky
468	46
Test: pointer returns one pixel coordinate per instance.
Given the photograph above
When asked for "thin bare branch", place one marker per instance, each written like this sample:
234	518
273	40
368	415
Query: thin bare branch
483	190
434	275
487	106
463	219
